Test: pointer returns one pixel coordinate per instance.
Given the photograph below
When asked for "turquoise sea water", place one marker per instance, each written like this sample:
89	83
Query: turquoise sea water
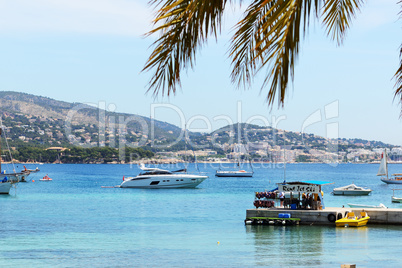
73	222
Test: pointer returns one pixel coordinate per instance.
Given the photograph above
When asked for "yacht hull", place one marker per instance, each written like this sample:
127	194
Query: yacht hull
391	181
396	199
5	187
343	192
233	174
366	206
163	181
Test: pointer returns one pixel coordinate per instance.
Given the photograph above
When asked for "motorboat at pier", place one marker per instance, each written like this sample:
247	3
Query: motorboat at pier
351	189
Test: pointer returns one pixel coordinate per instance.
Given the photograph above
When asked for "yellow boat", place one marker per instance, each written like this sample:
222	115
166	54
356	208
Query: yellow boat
352	220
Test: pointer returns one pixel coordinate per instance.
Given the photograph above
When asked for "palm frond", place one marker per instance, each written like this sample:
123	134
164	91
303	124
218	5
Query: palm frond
338	15
398	78
398	74
269	36
184	26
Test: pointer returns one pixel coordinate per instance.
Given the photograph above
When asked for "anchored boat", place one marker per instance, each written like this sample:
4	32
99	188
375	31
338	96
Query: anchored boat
9	179
236	173
233	173
395	199
383	171
160	178
351	189
46	178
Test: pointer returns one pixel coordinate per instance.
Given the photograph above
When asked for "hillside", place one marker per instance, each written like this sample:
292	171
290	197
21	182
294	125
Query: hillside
36	121
42	121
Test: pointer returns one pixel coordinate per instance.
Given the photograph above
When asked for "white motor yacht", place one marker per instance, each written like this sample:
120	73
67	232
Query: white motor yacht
160	178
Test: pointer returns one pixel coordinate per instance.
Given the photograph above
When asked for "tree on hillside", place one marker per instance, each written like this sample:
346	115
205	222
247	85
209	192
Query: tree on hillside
267	39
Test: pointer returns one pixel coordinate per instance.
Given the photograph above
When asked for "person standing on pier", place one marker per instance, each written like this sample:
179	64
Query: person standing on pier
282	198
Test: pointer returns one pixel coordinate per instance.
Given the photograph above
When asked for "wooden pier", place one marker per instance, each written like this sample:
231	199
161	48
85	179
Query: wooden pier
329	215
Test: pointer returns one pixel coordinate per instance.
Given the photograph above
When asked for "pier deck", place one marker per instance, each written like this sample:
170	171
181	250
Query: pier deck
327	216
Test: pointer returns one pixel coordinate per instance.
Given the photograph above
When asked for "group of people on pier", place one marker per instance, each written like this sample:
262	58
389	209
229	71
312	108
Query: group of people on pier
307	201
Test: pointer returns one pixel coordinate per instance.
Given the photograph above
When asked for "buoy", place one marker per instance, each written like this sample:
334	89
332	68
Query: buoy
33	180
218	242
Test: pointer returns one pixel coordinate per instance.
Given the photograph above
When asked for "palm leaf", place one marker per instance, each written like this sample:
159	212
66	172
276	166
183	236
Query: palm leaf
184	26
269	36
398	74
338	15
398	77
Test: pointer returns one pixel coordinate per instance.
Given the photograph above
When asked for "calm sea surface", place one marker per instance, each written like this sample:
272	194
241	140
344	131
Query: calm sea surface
73	222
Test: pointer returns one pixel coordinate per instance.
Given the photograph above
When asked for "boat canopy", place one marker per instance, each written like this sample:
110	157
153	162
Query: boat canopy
319	182
157	172
311	182
302	186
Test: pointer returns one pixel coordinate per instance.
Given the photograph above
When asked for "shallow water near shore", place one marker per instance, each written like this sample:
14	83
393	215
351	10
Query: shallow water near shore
72	222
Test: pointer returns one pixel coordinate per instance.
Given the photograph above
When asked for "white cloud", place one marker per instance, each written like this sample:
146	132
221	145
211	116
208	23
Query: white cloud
121	17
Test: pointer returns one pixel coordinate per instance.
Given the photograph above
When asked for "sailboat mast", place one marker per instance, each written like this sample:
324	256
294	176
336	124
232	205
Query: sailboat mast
284	163
185	147
386	162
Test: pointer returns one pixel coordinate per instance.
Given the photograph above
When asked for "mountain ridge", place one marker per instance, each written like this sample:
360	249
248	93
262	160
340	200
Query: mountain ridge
41	121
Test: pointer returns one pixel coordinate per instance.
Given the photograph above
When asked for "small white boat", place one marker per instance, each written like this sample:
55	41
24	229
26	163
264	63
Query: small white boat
382	206
46	178
351	189
160	178
395	199
237	172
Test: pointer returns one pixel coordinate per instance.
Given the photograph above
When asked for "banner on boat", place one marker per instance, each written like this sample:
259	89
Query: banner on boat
302	188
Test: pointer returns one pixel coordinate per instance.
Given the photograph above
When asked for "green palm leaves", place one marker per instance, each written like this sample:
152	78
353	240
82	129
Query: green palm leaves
267	39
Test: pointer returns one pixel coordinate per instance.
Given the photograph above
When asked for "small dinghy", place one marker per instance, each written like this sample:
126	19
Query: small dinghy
46	178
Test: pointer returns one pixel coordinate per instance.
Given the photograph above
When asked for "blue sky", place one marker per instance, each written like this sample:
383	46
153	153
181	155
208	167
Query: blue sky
93	51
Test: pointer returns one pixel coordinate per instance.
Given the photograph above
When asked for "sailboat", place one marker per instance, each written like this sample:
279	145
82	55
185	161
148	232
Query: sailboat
235	173
9	179
383	171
